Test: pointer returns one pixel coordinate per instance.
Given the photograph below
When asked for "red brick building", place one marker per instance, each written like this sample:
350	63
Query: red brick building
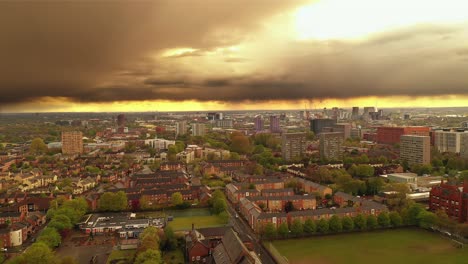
451	198
391	135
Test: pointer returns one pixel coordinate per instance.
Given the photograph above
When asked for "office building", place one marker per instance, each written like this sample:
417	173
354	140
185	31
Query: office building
275	124
355	113
464	146
331	145
72	142
258	123
293	145
448	141
214	116
451	198
224	123
345	128
121	119
392	135
181	128
415	149
316	125
198	129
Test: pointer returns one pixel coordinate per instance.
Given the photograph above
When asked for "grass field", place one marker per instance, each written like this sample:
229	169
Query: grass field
123	256
185	223
389	246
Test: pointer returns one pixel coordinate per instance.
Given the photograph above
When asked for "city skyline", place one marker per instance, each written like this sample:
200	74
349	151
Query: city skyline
232	55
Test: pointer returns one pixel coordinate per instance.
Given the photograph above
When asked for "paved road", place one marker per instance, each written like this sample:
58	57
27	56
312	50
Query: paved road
241	226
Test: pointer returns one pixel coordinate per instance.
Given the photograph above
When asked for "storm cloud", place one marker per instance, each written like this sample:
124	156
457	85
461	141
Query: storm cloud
111	51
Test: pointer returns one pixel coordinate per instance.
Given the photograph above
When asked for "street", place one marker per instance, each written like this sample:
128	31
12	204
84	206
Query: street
241	226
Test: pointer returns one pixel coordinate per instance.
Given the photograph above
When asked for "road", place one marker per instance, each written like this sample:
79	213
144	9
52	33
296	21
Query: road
241	226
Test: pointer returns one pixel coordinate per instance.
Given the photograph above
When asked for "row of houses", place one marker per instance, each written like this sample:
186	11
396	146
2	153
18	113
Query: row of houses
257	218
17	227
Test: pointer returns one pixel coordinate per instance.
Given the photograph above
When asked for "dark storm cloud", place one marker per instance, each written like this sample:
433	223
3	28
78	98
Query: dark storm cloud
99	52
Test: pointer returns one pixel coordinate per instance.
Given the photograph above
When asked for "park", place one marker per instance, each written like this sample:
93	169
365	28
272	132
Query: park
383	246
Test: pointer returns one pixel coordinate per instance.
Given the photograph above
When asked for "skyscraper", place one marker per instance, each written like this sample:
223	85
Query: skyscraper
293	145
415	149
355	113
330	145
72	142
274	124
258	123
121	120
316	125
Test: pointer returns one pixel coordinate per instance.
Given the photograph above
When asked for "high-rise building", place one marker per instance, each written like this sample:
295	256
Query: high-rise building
181	128
258	123
392	135
330	145
293	145
355	113
415	149
316	125
448	141
198	129
121	120
224	123
464	146
274	124
72	142
345	128
214	116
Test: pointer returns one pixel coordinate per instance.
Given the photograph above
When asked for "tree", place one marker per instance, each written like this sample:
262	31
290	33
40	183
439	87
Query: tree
411	214
297	229
374	185
322	226
427	219
50	237
224	217
283	230
113	201
37	253
360	222
288	207
60	222
150	256
395	219
372	222
177	199
149	239
240	143
38	146
234	156
383	219
309	226
335	224
219	206
363	170
170	240
347	223
269	231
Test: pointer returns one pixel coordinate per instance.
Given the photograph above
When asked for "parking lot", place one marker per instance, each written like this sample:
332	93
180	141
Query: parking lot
82	248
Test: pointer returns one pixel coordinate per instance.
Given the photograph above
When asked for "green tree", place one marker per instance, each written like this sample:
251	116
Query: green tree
37	146
297	228
427	219
309	226
411	214
360	222
383	219
37	253
335	224
150	256
269	231
234	156
372	222
176	198
363	170
50	237
283	230
113	201
347	223
60	222
375	185
219	205
322	226
240	143
170	240
395	219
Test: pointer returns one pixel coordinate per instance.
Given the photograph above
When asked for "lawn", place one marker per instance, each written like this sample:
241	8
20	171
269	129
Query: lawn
389	246
185	223
121	256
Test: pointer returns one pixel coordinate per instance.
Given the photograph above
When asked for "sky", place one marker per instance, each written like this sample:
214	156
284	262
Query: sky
180	55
